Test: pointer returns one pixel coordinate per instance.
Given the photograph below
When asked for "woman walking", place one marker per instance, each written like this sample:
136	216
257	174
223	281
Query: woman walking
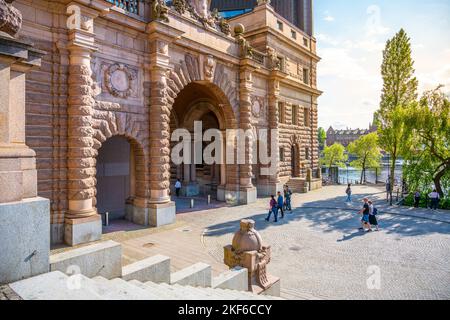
349	193
373	212
273	209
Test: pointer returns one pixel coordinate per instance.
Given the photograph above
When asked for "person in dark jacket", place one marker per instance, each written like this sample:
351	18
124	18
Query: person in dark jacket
273	209
280	204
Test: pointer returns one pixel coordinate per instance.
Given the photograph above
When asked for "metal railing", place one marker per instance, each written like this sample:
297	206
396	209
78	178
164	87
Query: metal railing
131	6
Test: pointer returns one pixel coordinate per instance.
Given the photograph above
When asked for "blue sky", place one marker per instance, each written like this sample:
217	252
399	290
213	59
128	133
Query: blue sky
351	36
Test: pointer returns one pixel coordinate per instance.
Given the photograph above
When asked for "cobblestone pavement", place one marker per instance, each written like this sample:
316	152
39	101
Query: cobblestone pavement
319	253
6	293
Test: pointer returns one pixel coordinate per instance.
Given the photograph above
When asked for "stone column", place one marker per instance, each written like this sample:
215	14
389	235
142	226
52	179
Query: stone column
248	193
161	209
24	217
274	183
82	222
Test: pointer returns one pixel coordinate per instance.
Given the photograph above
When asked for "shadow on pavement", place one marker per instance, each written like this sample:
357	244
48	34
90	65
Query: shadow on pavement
322	216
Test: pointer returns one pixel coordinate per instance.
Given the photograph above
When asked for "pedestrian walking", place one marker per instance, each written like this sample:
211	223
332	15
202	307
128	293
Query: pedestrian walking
349	193
273	209
365	212
178	188
388	188
280	204
373	212
434	197
287	197
417	199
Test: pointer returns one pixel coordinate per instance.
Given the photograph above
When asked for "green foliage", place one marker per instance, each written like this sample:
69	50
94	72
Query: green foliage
334	156
399	91
428	157
322	136
367	153
424	201
397	70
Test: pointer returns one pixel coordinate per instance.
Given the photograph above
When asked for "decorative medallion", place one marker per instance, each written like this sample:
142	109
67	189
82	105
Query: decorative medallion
118	80
257	106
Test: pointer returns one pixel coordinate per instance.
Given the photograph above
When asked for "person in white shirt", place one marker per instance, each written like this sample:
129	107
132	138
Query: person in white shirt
434	196
178	187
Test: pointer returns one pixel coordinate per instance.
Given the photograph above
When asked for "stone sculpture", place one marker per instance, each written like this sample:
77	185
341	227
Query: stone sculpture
274	62
10	18
159	10
246	51
247	251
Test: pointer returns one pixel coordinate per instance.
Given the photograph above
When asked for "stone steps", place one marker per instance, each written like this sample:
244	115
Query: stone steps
58	286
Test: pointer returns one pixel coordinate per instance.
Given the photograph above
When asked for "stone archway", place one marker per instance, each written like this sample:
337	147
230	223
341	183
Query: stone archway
115	177
201	101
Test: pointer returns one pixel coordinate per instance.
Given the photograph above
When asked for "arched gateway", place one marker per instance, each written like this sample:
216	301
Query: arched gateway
128	80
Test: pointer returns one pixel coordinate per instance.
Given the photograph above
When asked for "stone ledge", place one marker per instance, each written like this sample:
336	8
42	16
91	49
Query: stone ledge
234	279
101	259
155	269
197	275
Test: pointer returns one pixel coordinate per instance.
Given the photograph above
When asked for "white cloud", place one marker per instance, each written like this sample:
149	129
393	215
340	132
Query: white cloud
328	17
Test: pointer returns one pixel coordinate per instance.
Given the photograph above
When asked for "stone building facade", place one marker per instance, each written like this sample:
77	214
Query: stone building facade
119	77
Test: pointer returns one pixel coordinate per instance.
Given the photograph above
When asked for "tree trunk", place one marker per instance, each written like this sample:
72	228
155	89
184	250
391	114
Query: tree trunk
362	175
437	180
392	179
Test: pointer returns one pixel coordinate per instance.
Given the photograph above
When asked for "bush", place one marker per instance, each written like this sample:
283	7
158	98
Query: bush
425	203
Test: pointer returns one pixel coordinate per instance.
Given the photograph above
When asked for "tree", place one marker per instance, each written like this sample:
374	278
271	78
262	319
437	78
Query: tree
334	156
399	92
322	135
428	159
367	152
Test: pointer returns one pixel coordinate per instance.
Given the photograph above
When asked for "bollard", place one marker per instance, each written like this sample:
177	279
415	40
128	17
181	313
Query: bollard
106	218
209	199
192	203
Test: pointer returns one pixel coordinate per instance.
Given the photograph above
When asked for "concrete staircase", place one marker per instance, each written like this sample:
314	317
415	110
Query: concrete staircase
59	286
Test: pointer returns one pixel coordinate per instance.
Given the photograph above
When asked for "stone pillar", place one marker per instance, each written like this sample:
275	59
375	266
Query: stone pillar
82	222
161	209
187	174
248	193
24	217
272	183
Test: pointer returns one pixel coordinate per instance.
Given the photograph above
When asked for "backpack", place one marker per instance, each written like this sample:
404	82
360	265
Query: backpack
375	211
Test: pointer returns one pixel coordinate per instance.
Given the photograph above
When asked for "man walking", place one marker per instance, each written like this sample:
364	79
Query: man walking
287	196
178	188
280	204
434	196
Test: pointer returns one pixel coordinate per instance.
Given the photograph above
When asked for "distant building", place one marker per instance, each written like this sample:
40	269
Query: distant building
297	12
347	136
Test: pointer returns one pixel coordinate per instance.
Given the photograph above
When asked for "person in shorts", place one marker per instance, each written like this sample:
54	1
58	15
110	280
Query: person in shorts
365	212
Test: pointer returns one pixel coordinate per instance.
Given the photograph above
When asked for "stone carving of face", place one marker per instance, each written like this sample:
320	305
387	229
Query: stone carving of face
202	7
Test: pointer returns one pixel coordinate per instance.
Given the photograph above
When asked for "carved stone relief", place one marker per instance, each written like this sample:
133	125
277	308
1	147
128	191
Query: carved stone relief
119	80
